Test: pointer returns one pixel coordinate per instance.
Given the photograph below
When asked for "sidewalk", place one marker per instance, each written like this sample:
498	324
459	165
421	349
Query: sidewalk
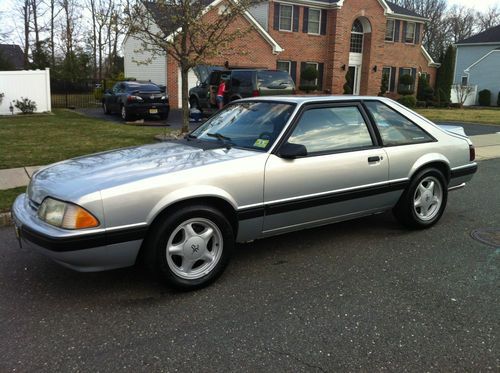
487	147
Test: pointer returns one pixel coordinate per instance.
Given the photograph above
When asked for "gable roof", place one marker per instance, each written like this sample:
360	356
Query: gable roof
492	35
12	53
399	10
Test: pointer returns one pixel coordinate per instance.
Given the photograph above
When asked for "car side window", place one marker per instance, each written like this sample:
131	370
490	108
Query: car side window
394	128
116	88
331	129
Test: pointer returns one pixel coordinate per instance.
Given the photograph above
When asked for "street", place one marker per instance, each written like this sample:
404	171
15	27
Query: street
363	295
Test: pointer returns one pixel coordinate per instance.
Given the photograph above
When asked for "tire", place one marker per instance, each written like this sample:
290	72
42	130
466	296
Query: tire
105	108
124	113
190	248
163	116
194	103
423	202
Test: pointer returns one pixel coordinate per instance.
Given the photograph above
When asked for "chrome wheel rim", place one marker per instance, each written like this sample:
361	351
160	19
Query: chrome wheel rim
428	198
194	248
124	112
104	108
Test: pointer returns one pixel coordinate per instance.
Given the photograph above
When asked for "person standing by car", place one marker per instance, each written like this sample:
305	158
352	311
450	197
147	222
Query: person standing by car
221	91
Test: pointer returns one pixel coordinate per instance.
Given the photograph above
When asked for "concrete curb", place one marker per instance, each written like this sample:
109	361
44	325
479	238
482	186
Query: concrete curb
5	219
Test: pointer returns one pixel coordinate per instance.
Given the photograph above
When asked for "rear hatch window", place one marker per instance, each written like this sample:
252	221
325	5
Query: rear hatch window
274	80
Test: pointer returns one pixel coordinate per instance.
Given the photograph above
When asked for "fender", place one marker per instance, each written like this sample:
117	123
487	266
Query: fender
426	159
189	192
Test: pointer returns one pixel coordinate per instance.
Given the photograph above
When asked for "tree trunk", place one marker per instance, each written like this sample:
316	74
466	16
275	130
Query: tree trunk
26	14
185	105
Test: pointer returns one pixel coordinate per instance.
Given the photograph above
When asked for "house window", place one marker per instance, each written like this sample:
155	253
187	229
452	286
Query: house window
386	72
402	87
283	66
389	30
357	37
465	80
410	33
307	82
286	14
314	21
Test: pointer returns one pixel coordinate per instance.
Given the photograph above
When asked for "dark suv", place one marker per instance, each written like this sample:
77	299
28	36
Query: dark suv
242	83
138	99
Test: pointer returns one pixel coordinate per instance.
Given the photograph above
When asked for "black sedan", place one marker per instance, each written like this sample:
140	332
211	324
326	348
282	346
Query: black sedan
136	99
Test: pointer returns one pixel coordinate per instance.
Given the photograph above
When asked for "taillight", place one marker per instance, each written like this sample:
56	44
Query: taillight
472	152
255	93
134	98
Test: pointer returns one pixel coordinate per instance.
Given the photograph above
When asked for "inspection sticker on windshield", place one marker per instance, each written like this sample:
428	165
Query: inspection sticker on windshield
261	143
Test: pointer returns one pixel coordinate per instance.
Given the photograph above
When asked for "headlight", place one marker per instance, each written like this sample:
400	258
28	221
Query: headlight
66	215
164	98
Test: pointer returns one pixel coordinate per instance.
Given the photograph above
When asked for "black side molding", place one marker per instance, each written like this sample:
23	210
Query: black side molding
472	169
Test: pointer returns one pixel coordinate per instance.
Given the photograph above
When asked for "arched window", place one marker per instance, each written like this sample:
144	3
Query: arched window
357	37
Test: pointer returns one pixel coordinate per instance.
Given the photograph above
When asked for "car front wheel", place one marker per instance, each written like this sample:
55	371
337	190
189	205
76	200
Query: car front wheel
423	203
190	248
105	108
124	113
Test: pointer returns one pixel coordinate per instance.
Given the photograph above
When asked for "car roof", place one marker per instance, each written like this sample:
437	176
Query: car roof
297	99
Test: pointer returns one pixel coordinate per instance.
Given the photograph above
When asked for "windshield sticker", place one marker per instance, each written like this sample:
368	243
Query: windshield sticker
261	143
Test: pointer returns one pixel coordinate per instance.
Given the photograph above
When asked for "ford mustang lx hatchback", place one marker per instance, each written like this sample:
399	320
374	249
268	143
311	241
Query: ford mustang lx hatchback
259	167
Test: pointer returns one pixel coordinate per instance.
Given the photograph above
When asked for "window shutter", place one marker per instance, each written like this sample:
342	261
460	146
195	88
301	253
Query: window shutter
320	76
392	83
293	71
323	21
302	68
296	12
276	24
305	24
403	36
414	74
417	33
396	30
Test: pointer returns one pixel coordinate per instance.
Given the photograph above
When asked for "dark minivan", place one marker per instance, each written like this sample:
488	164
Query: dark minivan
242	83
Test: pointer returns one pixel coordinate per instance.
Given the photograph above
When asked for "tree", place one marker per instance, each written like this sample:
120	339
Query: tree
188	31
460	23
462	92
308	76
444	78
488	19
384	84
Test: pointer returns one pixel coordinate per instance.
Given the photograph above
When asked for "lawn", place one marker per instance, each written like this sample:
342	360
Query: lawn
45	138
8	196
469	115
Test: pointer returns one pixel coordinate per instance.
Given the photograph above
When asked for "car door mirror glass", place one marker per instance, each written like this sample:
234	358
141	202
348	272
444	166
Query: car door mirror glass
292	151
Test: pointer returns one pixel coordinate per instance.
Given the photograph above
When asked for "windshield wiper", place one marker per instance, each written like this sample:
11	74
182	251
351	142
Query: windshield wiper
189	136
221	137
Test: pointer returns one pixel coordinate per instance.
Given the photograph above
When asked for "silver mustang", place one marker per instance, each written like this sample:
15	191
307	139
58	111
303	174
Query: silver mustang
260	167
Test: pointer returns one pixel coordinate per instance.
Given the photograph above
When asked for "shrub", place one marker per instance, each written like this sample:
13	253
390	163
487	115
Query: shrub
2	95
424	90
348	84
26	105
485	97
308	88
98	93
406	86
384	85
421	103
309	74
408	101
498	99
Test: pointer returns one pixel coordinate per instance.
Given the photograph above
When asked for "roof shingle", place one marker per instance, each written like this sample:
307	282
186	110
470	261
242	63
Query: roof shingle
492	35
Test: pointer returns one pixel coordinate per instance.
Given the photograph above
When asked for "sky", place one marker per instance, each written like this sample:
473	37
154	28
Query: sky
7	13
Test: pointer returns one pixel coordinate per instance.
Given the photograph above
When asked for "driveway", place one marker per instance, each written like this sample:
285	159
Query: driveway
365	295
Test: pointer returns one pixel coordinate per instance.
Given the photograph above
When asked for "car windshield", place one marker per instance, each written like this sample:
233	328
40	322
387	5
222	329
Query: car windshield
143	87
251	125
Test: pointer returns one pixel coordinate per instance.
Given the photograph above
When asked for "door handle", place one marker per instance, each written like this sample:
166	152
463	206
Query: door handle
374	159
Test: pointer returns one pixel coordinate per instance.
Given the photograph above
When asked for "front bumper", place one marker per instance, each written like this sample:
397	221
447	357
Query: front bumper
85	251
146	109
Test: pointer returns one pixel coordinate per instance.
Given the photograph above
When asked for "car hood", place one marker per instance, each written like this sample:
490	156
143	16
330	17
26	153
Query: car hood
77	177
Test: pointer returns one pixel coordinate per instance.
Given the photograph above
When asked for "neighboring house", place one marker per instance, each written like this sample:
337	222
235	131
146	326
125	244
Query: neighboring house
478	62
12	55
354	41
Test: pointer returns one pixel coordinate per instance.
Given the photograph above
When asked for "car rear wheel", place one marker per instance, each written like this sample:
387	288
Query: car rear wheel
124	113
190	248
423	203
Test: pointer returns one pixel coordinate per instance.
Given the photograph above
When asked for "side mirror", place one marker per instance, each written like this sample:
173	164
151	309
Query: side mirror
292	151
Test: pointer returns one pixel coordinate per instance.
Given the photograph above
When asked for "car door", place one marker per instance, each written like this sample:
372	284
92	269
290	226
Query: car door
113	98
344	174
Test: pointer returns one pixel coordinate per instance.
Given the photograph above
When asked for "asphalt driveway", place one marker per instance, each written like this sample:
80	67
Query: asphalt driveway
364	295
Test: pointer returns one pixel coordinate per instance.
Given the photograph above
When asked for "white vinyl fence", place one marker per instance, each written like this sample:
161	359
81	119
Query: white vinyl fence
466	93
31	84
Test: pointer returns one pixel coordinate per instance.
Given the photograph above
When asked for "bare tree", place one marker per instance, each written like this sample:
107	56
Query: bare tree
460	23
488	18
189	32
462	92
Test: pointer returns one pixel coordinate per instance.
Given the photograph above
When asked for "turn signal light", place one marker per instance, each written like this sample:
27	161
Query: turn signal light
472	152
255	93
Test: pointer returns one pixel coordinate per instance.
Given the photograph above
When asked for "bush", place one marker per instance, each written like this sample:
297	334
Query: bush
384	85
421	103
408	101
498	99
309	74
2	95
98	93
485	97
348	84
406	86
308	88
25	105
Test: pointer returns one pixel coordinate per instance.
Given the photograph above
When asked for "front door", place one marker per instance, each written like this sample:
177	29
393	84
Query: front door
343	175
353	78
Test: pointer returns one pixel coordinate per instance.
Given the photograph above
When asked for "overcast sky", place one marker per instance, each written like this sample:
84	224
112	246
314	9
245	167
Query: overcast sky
7	15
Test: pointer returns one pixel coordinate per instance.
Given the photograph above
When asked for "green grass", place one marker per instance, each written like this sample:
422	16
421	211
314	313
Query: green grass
466	115
44	138
8	196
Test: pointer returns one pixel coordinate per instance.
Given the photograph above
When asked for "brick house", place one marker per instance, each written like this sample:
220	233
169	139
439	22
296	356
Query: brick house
347	41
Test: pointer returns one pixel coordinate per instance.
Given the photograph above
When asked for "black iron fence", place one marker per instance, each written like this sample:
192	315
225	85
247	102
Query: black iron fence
83	93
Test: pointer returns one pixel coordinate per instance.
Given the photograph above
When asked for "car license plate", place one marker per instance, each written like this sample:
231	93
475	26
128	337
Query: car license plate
153	111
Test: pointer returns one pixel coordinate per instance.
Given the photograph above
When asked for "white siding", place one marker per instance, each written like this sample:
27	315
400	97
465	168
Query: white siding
260	12
156	70
31	84
486	75
192	80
